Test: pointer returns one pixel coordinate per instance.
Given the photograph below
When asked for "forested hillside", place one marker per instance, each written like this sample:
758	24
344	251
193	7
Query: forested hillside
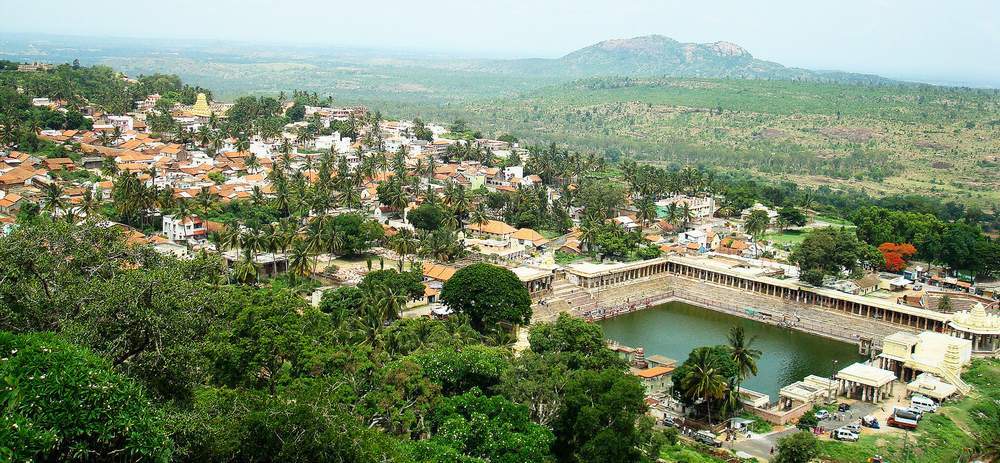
886	138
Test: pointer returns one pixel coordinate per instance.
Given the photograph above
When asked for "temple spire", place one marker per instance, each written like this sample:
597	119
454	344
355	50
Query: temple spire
201	107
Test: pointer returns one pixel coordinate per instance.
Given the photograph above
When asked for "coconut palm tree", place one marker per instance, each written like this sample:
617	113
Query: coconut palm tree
590	227
242	143
52	197
744	354
479	216
252	241
252	163
231	237
183	208
686	214
732	401
315	240
333	240
647	210
673	214
756	225
704	381
404	244
389	302
245	271
441	244
217	239
299	261
90	204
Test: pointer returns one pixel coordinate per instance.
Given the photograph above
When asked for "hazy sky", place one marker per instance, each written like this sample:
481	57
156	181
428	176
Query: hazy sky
954	39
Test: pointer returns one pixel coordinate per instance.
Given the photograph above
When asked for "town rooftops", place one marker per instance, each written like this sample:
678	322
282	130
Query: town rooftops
527	234
492	227
438	272
654	372
16	176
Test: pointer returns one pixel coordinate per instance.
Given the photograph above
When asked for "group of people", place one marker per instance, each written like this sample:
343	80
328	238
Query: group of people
628	306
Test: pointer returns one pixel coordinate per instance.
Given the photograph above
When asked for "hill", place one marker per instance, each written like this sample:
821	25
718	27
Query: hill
358	75
657	55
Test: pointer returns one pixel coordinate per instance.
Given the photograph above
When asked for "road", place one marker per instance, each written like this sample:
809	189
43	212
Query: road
760	445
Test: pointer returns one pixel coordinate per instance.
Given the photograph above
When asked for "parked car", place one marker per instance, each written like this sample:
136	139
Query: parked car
669	422
923	404
822	415
870	421
843	407
845	435
854	427
707	438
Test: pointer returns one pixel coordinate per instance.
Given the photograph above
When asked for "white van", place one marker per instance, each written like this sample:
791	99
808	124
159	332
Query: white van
845	435
923	404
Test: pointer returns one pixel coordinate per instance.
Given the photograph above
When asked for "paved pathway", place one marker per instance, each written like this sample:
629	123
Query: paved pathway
760	445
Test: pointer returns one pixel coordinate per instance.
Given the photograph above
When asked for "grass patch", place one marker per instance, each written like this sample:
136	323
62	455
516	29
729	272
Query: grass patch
684	452
549	234
563	258
787	237
834	220
758	426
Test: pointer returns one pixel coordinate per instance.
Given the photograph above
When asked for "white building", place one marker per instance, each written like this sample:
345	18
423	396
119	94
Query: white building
701	208
908	356
184	229
125	123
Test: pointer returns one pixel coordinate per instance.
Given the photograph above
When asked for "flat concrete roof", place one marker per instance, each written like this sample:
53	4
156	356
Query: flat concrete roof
867	375
529	273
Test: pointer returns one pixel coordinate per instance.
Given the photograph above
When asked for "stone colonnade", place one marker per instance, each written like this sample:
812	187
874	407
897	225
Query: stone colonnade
784	289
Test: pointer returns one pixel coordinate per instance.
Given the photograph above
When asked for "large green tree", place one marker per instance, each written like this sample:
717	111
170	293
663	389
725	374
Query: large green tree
488	295
835	250
704	378
800	447
598	416
580	344
63	403
492	428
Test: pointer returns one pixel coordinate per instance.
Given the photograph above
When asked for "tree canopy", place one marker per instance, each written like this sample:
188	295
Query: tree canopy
488	295
63	403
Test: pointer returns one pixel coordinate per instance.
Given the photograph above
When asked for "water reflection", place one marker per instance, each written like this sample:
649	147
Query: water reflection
674	329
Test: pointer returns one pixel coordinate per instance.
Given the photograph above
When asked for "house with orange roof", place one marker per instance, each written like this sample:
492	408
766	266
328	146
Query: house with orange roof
571	246
732	246
494	229
133	167
655	379
134	144
134	157
438	272
529	237
10	203
16	178
59	164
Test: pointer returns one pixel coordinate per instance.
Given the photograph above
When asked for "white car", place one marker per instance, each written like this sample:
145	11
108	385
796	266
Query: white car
845	435
822	415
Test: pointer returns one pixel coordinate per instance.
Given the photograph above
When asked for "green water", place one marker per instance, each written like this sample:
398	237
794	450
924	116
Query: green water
674	329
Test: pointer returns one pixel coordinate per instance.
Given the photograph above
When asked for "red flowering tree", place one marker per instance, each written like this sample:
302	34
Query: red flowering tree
896	255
